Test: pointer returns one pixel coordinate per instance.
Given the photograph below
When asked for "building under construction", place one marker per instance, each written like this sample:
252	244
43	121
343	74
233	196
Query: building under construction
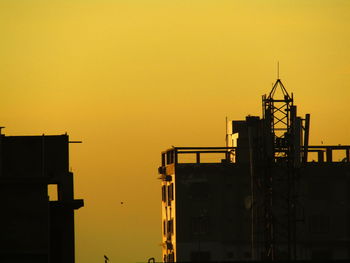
267	195
36	228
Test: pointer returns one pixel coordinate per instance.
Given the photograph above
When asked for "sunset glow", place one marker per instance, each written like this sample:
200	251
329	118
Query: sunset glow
130	78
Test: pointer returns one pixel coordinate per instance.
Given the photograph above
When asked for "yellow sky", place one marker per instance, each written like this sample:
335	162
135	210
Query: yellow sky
133	77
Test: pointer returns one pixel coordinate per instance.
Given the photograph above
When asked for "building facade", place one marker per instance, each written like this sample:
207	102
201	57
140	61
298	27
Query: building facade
267	195
33	226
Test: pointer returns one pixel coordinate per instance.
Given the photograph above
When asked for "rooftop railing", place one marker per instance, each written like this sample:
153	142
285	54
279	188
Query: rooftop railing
316	153
217	154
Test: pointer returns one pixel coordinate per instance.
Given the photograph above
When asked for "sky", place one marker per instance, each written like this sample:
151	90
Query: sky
130	78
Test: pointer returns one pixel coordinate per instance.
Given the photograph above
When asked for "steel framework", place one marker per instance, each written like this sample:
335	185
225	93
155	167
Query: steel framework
275	177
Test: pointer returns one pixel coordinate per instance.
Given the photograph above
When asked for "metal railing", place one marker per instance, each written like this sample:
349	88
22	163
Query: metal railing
171	156
325	153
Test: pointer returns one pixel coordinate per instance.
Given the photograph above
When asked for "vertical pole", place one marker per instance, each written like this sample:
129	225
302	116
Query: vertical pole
198	157
329	157
1	154
175	156
306	137
252	178
320	156
227	132
43	156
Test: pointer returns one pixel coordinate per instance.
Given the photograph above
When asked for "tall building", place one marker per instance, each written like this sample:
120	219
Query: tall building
33	227
267	195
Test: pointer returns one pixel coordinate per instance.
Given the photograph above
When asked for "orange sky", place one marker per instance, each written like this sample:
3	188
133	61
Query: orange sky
132	77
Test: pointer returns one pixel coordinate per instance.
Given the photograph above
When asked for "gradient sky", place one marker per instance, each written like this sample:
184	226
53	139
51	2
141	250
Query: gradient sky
130	78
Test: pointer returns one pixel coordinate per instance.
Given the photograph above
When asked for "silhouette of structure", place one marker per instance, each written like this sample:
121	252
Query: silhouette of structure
33	227
268	195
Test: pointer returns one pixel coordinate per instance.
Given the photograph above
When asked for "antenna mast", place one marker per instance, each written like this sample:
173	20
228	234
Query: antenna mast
275	182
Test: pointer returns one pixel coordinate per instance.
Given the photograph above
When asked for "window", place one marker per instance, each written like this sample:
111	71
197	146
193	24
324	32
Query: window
170	193
164	193
170	228
171	257
164	227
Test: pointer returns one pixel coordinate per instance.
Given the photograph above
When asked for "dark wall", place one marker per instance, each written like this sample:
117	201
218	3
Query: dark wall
210	203
34	156
32	229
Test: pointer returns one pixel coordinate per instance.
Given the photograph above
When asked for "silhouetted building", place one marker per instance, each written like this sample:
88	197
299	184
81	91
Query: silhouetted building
33	228
267	195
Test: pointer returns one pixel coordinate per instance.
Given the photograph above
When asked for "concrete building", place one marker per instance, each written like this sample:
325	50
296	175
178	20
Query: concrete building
34	228
267	195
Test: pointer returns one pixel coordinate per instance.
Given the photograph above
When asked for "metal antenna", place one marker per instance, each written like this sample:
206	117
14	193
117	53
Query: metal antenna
278	70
